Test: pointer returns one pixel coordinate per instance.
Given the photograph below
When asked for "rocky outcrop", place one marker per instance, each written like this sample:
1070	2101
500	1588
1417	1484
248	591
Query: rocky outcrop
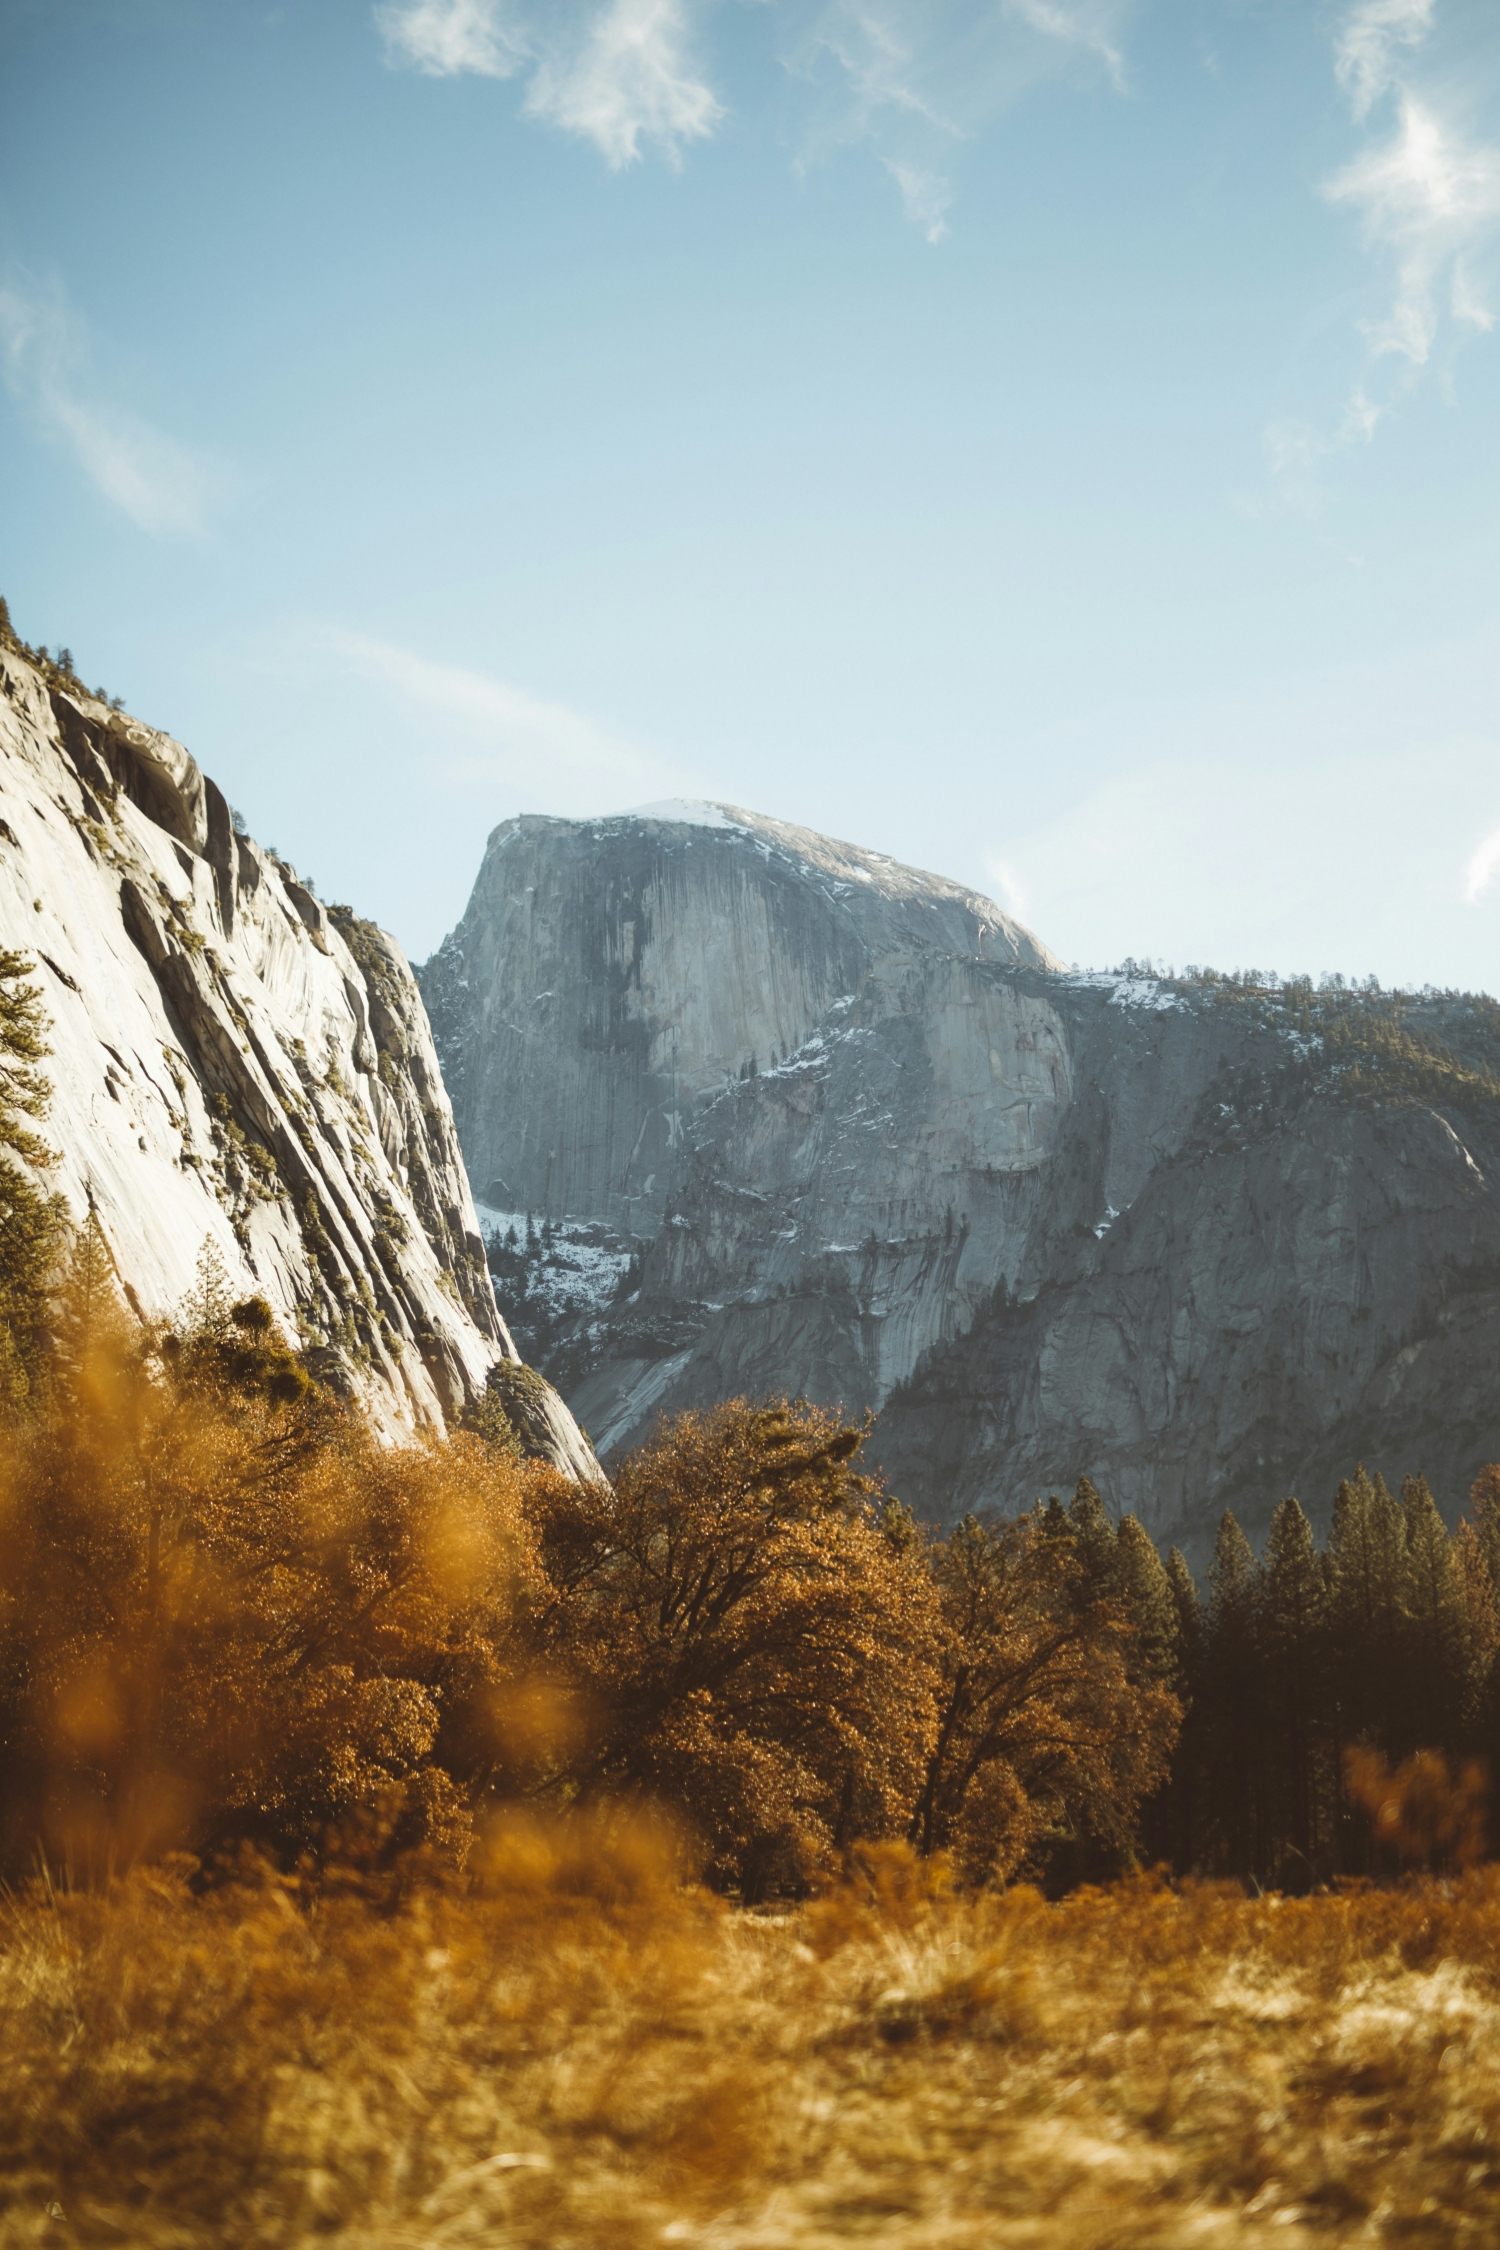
233	1062
1206	1243
611	978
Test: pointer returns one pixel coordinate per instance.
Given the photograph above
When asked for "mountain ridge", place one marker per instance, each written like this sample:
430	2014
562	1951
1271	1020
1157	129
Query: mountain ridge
1204	1240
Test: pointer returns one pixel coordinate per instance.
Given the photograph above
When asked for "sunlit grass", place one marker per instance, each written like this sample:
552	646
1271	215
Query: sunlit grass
577	2051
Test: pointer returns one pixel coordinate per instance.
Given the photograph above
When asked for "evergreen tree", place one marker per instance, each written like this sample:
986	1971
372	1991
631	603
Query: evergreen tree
1437	1663
1188	1605
1230	1701
207	1312
1476	1594
1146	1593
1366	1575
1484	1499
89	1306
1175	1822
1054	1520
1094	1543
1293	1640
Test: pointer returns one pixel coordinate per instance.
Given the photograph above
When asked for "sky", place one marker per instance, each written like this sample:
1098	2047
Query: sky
1055	442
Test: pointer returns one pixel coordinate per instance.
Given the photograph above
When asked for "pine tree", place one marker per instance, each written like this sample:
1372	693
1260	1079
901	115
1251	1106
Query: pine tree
1188	1604
1054	1520
1484	1499
1094	1543
1146	1592
207	1311
1294	1641
1437	1652
1176	1823
1476	1594
89	1307
1366	1578
1231	1701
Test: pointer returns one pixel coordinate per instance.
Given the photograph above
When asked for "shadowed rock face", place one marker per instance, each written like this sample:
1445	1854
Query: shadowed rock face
1197	1244
232	1061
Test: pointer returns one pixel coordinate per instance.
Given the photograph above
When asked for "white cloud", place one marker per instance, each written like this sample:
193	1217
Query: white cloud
908	77
879	52
165	487
617	75
446	38
628	79
925	196
516	741
1427	195
1366	42
911	78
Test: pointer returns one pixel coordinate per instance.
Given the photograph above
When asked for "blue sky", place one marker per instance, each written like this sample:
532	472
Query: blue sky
1054	441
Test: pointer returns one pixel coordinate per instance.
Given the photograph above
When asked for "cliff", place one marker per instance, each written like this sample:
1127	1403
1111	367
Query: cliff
611	978
863	1139
234	1062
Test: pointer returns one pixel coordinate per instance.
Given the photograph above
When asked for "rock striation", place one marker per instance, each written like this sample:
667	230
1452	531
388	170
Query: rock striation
234	1062
866	1140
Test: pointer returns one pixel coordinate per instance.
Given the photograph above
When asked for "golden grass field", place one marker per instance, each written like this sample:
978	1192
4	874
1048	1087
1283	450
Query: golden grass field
577	2051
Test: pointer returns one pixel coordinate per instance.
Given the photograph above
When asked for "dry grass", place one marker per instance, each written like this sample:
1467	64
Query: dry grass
580	2053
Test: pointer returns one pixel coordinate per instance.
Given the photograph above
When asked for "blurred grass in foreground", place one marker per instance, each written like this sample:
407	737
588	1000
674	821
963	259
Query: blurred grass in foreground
571	2048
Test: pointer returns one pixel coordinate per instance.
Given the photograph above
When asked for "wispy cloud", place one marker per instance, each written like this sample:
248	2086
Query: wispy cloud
512	740
629	79
167	488
1367	43
906	78
1427	194
1432	198
447	38
1088	27
925	196
912	79
618	75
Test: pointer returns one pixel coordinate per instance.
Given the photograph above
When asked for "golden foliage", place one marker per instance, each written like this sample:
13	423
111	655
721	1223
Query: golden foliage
228	1616
571	2048
1046	1717
748	1636
222	1615
1423	1809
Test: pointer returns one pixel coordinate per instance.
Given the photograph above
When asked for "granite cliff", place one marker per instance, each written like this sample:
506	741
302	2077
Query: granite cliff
799	1118
234	1062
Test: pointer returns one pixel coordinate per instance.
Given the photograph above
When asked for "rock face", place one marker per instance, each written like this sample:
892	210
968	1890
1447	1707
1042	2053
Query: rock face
234	1062
868	1142
611	978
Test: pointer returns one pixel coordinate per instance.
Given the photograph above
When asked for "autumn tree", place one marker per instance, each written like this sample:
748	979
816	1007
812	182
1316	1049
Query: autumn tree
1050	1715
230	1616
743	1631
